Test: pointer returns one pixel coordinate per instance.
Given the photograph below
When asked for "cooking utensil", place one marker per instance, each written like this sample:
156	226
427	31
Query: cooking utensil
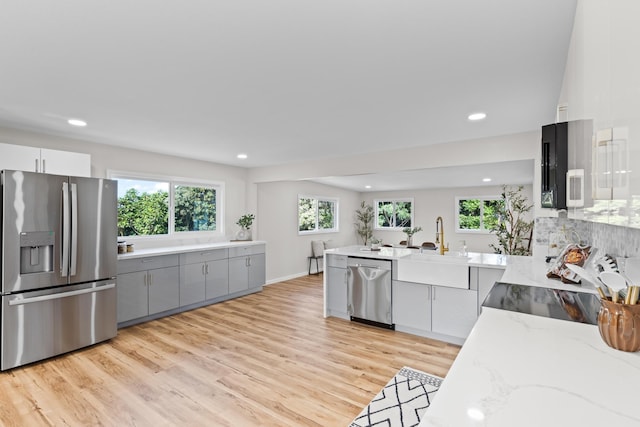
606	263
586	275
615	282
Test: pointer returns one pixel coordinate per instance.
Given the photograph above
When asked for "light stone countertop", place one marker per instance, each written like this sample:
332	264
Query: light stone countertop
177	249
523	370
476	259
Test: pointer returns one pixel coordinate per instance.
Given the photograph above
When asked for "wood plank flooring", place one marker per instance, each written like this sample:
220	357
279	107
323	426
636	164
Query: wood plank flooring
267	359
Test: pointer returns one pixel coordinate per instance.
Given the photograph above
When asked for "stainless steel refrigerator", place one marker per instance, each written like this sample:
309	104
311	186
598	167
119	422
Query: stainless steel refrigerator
59	255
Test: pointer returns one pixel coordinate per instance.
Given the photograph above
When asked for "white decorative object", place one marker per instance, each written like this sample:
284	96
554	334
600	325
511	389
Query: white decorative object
243	234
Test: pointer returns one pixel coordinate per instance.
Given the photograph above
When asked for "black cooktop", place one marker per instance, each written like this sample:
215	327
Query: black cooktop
555	303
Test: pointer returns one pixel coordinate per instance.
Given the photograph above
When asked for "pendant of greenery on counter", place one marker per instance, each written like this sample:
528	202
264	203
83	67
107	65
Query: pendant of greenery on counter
364	226
512	228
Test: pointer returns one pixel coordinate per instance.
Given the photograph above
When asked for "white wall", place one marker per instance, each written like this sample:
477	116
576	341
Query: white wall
429	204
105	157
278	219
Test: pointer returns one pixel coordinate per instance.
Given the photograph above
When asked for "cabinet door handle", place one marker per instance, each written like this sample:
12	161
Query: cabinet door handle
44	169
203	269
145	279
36	164
207	269
150	279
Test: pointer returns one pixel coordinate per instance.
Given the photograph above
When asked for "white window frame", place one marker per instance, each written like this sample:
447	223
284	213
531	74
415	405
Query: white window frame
219	186
481	230
316	230
394	201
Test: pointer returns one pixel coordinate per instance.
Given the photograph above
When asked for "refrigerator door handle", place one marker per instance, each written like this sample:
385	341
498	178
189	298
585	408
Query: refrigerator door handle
64	263
61	295
74	229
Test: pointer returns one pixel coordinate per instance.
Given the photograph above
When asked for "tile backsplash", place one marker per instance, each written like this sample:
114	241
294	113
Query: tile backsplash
611	239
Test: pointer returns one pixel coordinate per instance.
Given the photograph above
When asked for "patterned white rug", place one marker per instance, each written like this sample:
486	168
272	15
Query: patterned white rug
402	402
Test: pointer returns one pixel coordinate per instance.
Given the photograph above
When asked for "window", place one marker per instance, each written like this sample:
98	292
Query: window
165	207
393	213
317	214
477	215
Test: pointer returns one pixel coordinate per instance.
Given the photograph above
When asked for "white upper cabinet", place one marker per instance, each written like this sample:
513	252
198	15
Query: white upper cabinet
19	157
65	163
610	163
34	159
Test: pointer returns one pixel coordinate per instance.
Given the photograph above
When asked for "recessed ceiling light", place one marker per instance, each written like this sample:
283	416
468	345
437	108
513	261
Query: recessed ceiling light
477	116
486	179
367	186
242	156
77	122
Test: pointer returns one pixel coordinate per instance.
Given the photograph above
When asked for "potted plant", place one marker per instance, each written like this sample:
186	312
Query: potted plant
245	223
410	232
364	226
511	227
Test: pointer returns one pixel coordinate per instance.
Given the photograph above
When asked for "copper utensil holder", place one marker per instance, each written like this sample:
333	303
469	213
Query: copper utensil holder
619	325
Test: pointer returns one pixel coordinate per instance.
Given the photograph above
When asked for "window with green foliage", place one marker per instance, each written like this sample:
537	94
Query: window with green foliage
477	214
393	213
317	214
150	207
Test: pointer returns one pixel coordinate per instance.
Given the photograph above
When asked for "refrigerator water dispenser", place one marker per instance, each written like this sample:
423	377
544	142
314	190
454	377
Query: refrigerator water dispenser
36	252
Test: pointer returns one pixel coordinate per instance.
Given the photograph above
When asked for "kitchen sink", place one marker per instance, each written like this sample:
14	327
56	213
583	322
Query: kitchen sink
433	269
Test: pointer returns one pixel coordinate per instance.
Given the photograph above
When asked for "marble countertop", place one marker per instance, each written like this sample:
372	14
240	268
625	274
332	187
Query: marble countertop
177	249
523	370
532	271
475	259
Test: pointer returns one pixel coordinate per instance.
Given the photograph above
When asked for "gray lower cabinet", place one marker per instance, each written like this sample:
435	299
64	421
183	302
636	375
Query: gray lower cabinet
238	274
217	279
336	285
453	311
203	275
147	286
165	283
411	306
133	296
163	290
246	268
337	292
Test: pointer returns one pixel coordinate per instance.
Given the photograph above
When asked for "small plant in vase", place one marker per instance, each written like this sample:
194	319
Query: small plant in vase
410	232
245	223
375	243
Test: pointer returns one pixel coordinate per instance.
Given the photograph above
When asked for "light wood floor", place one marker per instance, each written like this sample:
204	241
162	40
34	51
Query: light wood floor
266	359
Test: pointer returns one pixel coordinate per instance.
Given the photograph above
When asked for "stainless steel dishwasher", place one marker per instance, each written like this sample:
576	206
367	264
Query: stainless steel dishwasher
369	291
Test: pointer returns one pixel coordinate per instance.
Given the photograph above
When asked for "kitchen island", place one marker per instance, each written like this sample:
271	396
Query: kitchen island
428	299
518	369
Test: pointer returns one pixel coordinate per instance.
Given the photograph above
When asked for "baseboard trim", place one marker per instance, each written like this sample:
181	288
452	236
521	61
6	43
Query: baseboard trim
289	277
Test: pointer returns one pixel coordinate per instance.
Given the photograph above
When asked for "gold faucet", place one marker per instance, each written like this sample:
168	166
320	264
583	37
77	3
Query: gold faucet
440	235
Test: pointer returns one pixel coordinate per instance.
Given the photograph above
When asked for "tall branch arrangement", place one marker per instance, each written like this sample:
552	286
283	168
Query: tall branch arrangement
512	228
364	226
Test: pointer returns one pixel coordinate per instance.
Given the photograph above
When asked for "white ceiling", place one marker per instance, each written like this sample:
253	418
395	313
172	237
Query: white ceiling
281	80
511	173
